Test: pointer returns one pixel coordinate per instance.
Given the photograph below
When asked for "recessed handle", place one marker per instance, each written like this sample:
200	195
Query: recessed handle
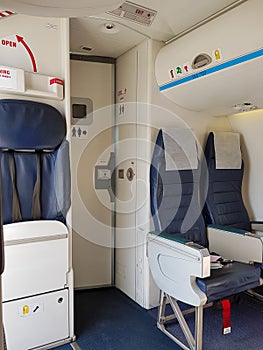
130	174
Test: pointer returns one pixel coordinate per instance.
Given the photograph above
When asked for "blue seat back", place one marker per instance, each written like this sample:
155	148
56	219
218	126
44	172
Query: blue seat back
224	203
174	198
34	133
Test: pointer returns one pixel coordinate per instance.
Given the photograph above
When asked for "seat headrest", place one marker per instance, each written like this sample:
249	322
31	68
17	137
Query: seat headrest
28	125
227	150
180	149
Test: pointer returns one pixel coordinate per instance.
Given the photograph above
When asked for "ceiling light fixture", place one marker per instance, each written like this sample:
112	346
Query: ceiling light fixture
109	28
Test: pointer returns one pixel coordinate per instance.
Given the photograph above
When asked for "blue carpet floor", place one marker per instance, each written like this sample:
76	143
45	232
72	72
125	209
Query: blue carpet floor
108	320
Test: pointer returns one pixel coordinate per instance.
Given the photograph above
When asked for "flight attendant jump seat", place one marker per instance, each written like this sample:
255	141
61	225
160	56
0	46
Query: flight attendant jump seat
37	283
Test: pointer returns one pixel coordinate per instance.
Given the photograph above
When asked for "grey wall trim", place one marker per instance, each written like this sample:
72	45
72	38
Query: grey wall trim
34	240
90	58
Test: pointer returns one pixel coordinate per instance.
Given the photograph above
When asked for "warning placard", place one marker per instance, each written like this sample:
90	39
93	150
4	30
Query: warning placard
8	78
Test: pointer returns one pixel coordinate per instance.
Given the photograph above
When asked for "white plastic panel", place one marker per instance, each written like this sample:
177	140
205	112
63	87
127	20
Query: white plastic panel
219	93
175	266
33	229
125	268
17	81
248	248
36	321
38	266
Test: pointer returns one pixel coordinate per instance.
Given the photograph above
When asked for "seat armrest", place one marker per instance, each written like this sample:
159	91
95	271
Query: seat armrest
235	244
175	264
257	226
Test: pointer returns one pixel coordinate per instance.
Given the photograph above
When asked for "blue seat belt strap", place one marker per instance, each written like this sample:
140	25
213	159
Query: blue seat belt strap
36	201
16	211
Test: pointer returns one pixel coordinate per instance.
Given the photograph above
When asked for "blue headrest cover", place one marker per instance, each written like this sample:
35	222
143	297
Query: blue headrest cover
28	125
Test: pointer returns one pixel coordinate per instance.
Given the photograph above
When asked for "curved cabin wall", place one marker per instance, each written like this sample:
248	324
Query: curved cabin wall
194	70
250	126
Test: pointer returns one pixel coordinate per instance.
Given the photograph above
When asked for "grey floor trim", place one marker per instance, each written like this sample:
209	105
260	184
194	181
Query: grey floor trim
75	346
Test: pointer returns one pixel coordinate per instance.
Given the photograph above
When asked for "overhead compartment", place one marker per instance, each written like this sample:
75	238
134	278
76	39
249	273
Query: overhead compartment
218	67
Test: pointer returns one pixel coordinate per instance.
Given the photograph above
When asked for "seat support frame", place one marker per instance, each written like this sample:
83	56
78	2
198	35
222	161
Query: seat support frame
194	342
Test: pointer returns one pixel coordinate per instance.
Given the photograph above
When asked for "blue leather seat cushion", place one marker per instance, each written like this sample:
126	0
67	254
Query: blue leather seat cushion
233	278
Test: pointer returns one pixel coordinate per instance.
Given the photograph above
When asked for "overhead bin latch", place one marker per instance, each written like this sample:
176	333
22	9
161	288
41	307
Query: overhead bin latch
201	61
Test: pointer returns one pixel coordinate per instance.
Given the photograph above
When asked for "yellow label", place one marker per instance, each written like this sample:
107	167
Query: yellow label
217	55
25	309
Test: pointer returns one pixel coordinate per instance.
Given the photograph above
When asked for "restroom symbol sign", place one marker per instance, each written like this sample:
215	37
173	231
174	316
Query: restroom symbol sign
79	132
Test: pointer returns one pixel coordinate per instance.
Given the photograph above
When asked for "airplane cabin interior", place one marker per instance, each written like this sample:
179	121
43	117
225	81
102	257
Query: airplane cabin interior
131	174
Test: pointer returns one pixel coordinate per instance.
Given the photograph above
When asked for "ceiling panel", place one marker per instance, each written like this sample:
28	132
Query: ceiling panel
173	17
92	33
58	8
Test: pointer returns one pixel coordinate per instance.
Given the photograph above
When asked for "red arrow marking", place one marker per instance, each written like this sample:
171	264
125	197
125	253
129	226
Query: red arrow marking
21	40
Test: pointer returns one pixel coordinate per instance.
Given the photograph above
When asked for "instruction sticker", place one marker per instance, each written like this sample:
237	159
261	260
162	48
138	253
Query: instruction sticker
172	74
30	309
8	78
217	55
187	68
179	71
121	94
56	81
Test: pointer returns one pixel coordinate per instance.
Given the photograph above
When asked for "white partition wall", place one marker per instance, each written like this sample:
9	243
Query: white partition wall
92	147
126	118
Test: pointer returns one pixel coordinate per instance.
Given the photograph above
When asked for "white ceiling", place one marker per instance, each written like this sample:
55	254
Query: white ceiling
173	17
58	8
